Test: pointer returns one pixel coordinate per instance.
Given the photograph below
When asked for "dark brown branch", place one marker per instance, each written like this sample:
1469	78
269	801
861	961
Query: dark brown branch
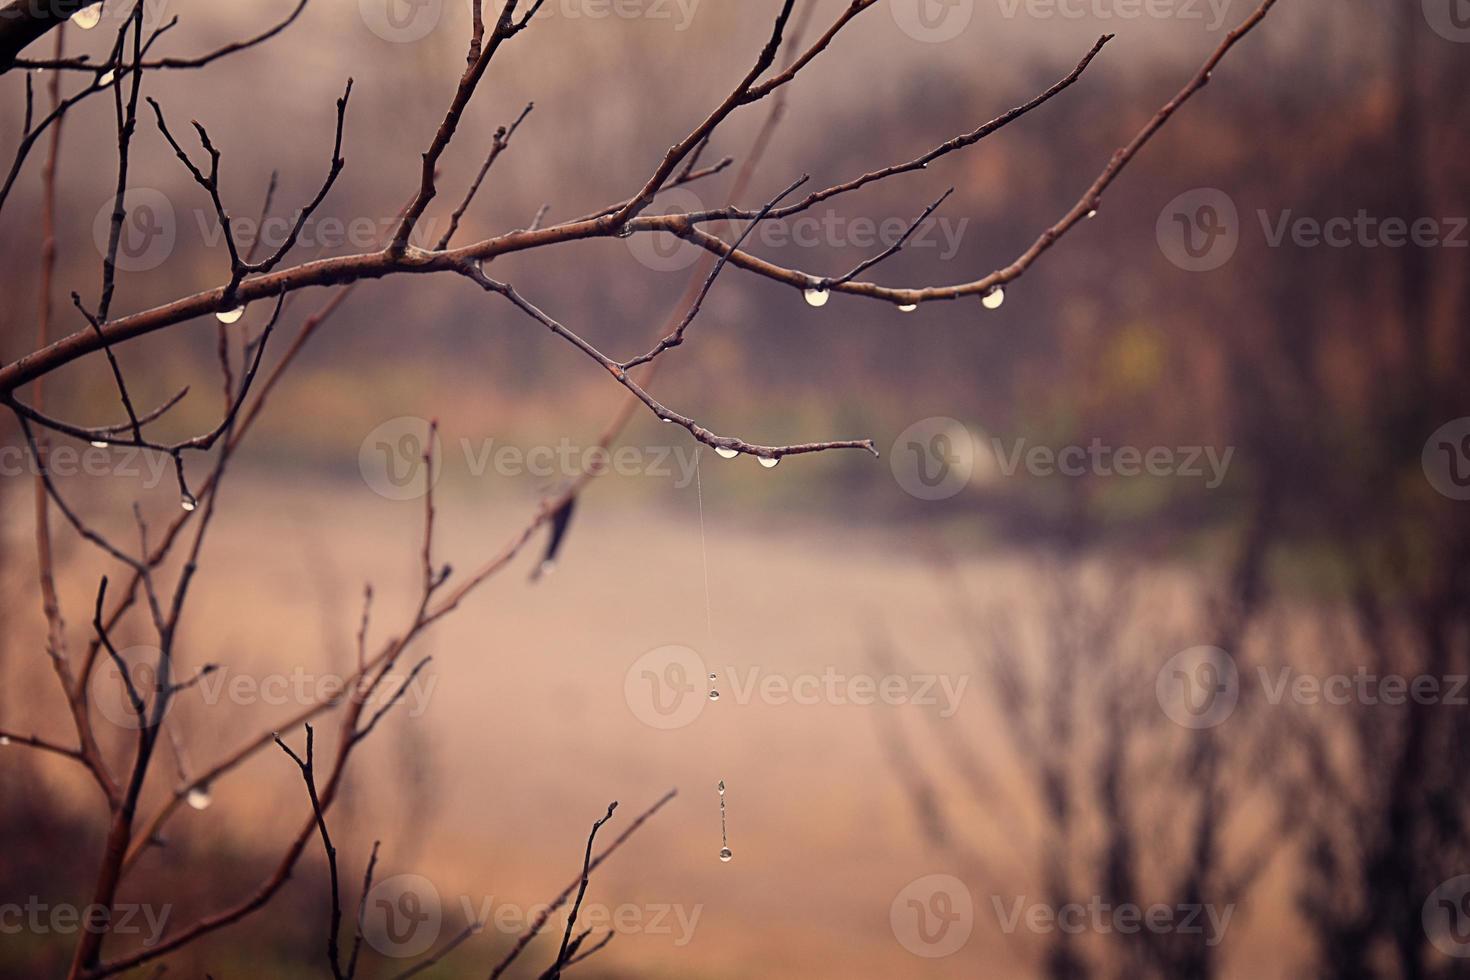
541	919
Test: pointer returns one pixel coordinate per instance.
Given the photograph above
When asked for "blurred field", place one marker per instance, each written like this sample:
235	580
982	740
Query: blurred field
527	733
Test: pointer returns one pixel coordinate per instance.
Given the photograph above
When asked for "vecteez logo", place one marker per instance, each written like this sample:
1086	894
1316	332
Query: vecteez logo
932	21
933	916
402	916
668	688
1199	687
148	232
1199	230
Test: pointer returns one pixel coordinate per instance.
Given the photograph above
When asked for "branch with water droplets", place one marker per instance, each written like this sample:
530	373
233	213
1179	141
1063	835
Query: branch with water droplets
726	446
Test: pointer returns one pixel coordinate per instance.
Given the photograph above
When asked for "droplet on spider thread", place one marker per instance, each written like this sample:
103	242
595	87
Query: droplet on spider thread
726	453
726	854
817	297
993	299
714	695
199	798
769	462
230	316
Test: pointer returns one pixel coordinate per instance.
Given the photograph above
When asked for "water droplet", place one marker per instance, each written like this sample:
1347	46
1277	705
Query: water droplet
88	17
993	299
4	740
99	443
712	675
722	787
817	297
199	798
769	462
714	695
107	78
725	453
726	854
547	567
625	232
1092	214
230	316
907	307
188	501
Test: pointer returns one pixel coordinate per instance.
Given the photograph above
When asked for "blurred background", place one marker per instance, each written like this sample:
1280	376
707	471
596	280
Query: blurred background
1104	691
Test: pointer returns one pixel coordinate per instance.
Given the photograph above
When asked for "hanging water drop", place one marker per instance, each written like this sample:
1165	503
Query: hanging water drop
993	299
4	740
769	462
547	567
230	316
199	798
816	297
87	18
725	853
907	307
726	453
1092	214
188	501
714	695
106	78
99	443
